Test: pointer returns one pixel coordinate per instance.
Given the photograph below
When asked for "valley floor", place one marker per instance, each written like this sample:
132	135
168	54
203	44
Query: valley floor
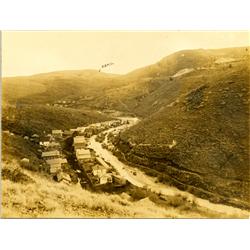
141	180
37	196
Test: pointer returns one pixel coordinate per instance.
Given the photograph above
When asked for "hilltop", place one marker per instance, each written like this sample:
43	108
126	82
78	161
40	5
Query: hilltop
49	87
196	136
194	110
148	89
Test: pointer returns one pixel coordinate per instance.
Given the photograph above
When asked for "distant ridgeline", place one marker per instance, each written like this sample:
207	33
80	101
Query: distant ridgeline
194	107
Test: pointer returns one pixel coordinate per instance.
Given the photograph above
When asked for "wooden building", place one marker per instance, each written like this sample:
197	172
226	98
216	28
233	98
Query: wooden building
50	155
84	155
79	142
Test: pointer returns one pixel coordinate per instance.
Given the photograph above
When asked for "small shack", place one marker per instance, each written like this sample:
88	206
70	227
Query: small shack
106	178
119	180
99	170
61	176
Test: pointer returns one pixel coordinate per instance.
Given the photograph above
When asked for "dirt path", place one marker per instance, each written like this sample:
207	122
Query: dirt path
140	179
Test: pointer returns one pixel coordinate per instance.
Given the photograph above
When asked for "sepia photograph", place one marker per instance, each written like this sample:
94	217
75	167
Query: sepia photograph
125	124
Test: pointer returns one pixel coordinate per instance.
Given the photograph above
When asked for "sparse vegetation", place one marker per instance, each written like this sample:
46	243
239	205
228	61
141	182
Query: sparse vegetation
194	135
210	125
44	198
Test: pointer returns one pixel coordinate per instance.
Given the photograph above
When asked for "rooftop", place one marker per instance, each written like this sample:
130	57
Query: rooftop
56	161
82	151
56	131
54	144
51	153
79	139
79	157
99	167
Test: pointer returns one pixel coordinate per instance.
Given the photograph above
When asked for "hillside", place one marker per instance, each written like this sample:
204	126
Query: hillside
197	137
27	194
154	86
140	92
30	119
53	86
193	134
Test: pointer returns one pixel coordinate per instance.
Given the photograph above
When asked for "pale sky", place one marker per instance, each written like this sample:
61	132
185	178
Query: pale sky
27	53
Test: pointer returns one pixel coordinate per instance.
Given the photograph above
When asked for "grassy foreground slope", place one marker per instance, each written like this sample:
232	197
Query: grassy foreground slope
27	194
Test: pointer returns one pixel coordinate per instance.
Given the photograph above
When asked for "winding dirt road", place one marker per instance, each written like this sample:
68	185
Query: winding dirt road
140	179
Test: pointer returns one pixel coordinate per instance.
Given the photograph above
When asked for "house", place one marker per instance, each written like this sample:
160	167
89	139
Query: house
63	177
61	161
67	133
56	164
119	180
64	162
106	178
53	145
83	155
99	170
50	155
55	168
81	130
79	142
57	133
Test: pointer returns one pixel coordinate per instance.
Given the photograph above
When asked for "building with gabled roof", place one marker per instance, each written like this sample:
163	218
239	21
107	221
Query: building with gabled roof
61	176
79	142
56	164
50	154
106	178
99	170
53	145
83	155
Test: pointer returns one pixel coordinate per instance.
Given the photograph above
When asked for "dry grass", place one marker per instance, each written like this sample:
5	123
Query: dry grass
43	198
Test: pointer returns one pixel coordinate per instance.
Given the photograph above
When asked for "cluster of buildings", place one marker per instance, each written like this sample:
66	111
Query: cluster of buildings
71	103
52	155
95	168
63	103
